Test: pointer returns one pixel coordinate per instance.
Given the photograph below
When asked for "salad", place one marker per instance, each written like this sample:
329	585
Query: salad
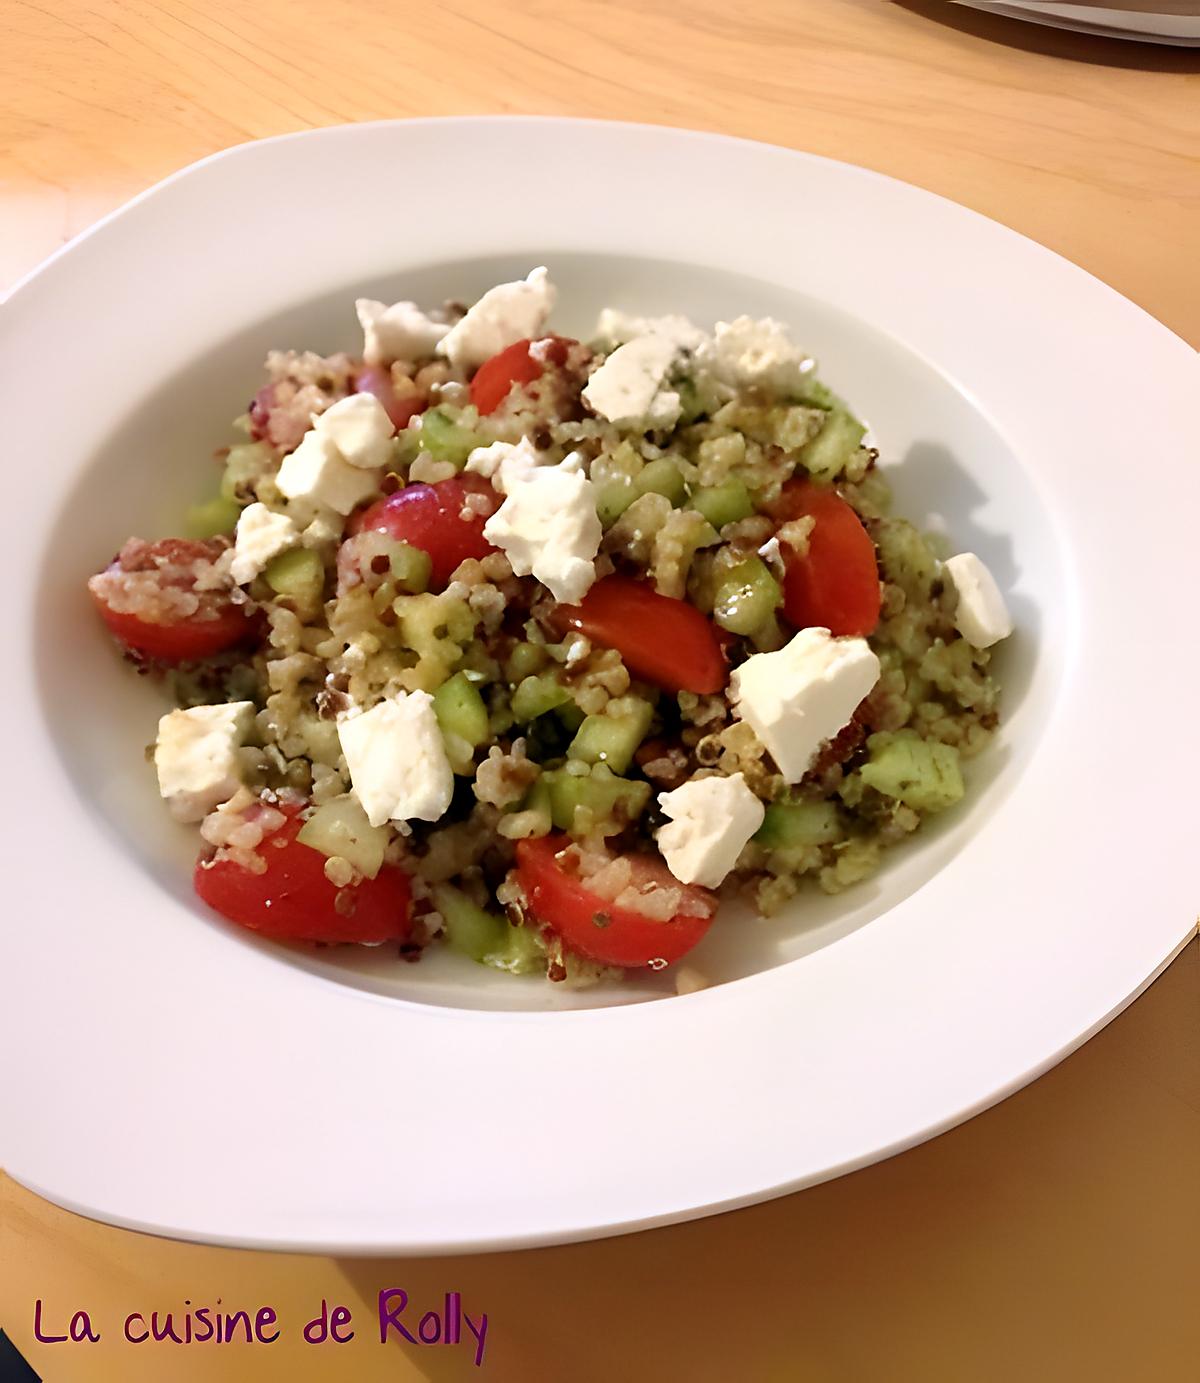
543	649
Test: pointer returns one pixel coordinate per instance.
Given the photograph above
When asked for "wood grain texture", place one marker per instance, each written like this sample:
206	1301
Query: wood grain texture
1098	158
1056	1237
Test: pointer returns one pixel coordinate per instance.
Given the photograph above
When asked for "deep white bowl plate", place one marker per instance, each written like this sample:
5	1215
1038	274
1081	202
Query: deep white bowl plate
166	1072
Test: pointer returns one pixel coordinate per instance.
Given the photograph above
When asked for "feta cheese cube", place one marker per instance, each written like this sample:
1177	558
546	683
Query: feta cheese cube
506	314
628	390
359	430
746	352
261	535
399	332
982	617
504	464
797	699
618	327
548	527
712	819
397	759
315	474
196	759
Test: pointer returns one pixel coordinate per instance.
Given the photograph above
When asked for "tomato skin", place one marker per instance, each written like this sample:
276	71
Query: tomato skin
377	380
835	585
514	365
224	624
660	639
629	939
292	900
430	517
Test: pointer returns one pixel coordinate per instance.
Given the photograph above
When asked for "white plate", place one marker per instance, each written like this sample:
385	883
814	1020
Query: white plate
1106	21
164	1072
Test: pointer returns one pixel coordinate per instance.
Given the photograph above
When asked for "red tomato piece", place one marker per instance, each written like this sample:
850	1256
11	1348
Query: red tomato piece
149	574
835	585
377	380
660	639
593	926
431	517
514	365
292	900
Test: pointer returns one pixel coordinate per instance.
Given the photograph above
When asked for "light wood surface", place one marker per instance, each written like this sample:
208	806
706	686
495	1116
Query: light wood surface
1056	1237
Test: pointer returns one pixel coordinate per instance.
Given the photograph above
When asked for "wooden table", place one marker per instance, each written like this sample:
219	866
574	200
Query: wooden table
1056	1237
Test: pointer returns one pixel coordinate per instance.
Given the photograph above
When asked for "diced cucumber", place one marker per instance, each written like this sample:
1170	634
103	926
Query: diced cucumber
612	740
298	573
662	477
724	503
610	802
444	439
746	597
461	711
570	716
208	520
484	936
923	774
790	824
829	451
613	497
411	567
340	827
524	661
536	695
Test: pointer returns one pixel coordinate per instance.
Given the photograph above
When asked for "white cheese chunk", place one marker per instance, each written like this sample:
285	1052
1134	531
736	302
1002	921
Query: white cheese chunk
196	757
261	535
316	474
359	430
628	388
797	699
397	759
504	463
748	352
712	819
399	332
982	617
618	327
506	314
548	527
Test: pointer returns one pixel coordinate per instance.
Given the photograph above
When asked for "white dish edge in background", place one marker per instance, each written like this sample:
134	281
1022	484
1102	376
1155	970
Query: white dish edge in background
1137	25
159	1075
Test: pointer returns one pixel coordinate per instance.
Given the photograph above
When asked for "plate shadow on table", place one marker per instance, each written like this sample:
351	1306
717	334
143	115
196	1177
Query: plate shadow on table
1056	43
1018	1245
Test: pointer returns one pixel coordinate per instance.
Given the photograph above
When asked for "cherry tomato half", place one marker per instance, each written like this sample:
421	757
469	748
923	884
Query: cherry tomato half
292	900
592	926
170	563
835	585
660	639
431	517
515	365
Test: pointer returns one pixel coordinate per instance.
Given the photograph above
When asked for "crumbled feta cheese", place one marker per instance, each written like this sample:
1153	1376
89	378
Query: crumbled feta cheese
772	556
506	314
712	819
548	527
746	352
359	430
619	327
504	464
261	535
627	389
399	332
196	757
315	473
397	759
982	617
797	699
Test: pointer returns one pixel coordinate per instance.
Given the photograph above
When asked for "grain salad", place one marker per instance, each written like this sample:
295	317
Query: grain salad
543	649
